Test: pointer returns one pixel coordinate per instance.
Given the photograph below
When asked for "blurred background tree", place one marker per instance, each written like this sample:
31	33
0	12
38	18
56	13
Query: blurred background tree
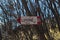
49	10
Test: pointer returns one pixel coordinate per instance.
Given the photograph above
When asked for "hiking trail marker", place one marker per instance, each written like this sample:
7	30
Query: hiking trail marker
29	20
